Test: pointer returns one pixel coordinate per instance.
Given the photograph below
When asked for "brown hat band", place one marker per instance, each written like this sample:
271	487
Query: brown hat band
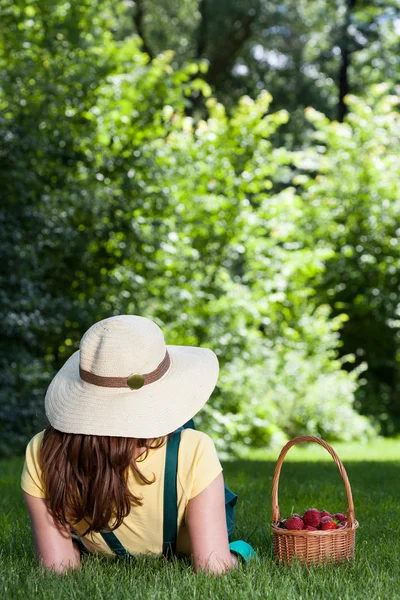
134	381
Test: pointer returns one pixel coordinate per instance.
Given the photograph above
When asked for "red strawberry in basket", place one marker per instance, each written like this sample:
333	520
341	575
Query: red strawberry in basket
339	517
325	513
328	523
295	523
311	528
312	517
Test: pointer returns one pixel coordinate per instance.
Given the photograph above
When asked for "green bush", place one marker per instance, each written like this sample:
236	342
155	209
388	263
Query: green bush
117	202
354	207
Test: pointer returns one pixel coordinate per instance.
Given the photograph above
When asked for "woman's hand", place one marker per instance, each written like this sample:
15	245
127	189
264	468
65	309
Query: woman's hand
54	547
206	522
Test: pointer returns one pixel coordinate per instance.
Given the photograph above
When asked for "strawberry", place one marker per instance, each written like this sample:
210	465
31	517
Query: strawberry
295	523
311	528
328	523
339	517
325	513
312	517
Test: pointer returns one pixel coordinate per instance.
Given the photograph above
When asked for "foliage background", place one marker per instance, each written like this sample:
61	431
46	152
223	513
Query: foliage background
230	171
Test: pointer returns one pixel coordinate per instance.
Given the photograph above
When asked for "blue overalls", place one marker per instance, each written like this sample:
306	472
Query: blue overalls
170	519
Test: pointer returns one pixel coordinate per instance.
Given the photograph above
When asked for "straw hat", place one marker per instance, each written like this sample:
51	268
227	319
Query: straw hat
125	381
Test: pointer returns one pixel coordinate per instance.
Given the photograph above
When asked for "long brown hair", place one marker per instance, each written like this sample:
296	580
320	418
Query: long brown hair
86	477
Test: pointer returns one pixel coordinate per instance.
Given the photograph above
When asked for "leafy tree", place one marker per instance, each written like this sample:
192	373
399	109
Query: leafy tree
205	255
305	53
50	65
53	58
355	203
117	201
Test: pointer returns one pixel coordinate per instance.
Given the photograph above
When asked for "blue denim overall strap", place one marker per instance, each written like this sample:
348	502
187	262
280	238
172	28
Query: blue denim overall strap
170	517
170	509
115	545
240	548
170	523
230	497
112	542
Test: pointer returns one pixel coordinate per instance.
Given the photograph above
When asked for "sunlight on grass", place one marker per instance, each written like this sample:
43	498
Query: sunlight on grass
308	479
379	450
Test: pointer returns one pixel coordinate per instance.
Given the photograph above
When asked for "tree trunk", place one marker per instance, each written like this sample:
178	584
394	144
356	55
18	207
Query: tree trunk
138	20
202	29
344	86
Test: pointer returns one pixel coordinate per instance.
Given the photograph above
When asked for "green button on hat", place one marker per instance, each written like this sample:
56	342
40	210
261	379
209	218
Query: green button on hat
135	381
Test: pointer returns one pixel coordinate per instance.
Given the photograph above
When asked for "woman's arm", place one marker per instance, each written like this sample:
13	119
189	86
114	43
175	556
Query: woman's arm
53	548
206	522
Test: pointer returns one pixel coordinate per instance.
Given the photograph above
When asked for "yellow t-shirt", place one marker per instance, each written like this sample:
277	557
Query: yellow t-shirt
142	530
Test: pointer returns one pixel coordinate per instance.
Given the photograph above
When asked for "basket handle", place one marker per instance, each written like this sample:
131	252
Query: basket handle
342	470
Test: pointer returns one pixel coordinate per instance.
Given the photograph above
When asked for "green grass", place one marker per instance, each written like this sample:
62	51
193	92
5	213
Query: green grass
309	478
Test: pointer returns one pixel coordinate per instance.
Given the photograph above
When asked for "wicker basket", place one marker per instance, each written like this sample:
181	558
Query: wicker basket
313	546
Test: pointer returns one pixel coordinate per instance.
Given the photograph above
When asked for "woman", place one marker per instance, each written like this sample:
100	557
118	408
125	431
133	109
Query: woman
119	471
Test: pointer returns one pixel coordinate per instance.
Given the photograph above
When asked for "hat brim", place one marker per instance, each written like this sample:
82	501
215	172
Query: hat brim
75	406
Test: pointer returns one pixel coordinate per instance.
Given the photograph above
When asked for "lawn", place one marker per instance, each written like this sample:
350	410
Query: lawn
309	478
